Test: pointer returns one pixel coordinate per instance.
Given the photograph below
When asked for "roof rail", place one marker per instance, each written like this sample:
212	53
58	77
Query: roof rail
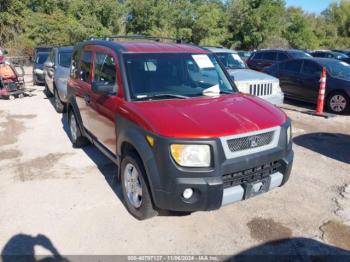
139	37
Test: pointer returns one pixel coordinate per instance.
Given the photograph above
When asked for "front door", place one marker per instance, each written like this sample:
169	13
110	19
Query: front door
310	77
102	123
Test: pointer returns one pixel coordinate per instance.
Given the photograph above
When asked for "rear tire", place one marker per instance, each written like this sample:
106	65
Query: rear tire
59	106
77	139
338	103
135	189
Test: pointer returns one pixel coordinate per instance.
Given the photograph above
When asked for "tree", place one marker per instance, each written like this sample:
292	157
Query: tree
252	22
299	31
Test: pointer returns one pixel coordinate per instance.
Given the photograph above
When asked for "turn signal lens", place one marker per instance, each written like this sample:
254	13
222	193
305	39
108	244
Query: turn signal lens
150	140
191	155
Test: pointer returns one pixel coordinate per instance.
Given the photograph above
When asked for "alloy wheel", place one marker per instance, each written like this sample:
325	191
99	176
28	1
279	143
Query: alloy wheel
133	187
338	103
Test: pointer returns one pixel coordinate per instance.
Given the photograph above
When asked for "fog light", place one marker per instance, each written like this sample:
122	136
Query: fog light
188	193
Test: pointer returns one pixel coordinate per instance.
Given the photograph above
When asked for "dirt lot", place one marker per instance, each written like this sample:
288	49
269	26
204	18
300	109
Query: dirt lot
58	200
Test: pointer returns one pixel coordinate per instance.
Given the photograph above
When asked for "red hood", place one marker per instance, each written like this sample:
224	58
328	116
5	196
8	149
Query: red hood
206	117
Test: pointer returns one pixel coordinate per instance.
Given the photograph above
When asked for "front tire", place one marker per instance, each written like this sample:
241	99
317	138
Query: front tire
59	106
135	189
77	139
338	103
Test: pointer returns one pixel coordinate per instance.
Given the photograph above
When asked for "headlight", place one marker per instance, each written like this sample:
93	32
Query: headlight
289	134
191	155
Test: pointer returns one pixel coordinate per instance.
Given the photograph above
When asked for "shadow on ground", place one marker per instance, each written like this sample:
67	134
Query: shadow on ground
293	249
21	247
335	146
108	169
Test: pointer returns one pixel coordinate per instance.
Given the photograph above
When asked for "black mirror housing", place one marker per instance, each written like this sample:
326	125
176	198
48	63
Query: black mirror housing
103	88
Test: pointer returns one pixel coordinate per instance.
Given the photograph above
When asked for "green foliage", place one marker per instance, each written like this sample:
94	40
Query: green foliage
246	24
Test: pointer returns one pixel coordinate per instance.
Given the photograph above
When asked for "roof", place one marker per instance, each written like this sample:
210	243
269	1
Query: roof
280	49
219	50
146	47
65	48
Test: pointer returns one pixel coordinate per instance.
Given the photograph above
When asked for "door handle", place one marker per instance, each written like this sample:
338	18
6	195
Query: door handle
87	99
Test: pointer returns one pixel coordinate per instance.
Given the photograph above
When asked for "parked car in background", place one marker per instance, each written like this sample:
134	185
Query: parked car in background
172	120
40	56
331	54
244	54
56	73
346	52
268	57
247	80
300	78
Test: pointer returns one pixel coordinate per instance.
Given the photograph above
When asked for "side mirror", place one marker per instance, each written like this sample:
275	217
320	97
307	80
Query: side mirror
103	88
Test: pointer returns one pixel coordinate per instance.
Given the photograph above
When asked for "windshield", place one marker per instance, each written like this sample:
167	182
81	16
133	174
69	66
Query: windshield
337	68
231	60
64	59
41	58
341	56
299	54
175	76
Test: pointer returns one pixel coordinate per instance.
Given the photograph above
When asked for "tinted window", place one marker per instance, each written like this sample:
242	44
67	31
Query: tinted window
85	66
188	75
310	68
319	54
105	69
292	66
282	57
64	59
337	68
257	56
270	56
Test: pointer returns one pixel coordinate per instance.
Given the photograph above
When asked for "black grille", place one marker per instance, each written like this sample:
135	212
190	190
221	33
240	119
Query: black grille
249	142
261	89
251	175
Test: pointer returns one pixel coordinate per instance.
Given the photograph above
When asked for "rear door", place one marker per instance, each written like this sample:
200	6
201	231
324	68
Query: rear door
310	77
289	74
49	70
104	107
82	86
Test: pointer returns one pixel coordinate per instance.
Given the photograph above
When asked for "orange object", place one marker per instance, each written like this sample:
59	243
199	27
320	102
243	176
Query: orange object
6	71
322	92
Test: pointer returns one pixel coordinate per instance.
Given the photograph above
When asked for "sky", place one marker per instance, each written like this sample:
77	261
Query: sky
311	6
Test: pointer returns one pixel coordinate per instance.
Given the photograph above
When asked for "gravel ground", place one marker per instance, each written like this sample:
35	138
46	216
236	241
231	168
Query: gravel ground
58	200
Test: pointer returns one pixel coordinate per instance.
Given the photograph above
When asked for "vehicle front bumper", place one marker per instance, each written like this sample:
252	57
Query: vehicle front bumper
38	78
210	184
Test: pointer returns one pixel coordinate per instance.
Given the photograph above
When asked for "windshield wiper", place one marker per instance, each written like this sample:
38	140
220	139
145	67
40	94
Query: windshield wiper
160	96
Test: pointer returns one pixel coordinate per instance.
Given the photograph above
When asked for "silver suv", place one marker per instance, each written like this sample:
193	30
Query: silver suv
56	72
247	80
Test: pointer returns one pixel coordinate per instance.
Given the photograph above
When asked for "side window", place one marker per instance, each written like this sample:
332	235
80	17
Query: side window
282	57
75	64
105	70
270	56
293	66
310	68
85	66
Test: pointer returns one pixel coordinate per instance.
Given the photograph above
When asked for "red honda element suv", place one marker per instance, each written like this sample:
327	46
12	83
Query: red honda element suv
170	118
